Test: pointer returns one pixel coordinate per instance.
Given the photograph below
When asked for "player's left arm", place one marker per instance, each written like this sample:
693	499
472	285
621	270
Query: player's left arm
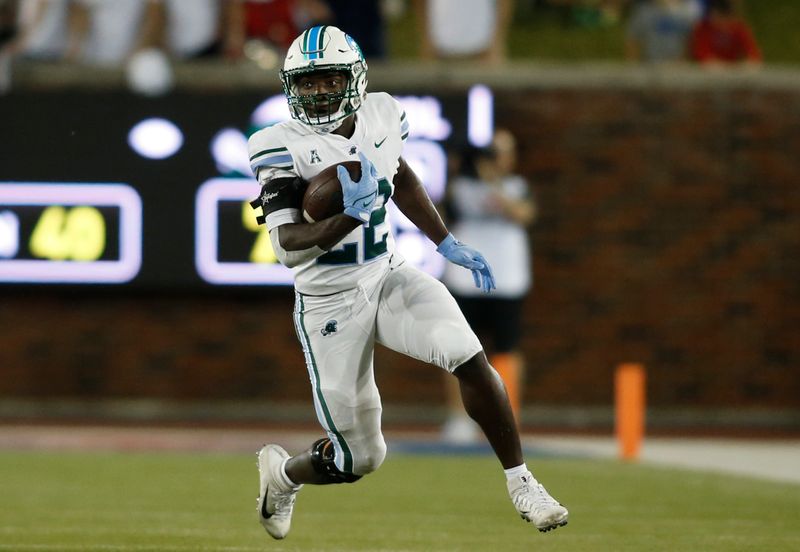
414	202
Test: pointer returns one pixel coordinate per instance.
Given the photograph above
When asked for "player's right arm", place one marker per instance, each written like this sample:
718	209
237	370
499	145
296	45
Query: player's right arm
358	201
323	234
294	241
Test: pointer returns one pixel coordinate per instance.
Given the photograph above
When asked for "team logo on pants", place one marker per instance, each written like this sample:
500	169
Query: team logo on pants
330	327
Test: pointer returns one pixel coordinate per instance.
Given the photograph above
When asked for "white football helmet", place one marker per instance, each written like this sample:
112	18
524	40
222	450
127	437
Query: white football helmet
324	48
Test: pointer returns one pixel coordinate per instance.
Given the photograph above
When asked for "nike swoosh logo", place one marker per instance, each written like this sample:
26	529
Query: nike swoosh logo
379	144
365	204
264	513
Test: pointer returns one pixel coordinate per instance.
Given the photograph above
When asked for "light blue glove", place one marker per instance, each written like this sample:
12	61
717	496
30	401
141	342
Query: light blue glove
460	254
359	197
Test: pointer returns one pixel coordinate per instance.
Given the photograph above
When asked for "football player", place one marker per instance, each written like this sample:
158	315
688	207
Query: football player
353	289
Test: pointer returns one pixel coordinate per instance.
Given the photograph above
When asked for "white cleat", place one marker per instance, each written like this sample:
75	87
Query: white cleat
535	505
276	498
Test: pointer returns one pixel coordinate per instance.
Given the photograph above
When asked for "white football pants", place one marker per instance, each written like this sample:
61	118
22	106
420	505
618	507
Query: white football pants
402	308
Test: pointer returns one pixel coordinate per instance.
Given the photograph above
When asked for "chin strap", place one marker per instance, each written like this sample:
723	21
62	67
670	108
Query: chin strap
328	127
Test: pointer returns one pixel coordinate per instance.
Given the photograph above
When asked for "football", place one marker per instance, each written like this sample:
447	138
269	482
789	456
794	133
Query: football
323	195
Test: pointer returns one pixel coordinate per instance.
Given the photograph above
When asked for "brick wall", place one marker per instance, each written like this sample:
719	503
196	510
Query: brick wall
669	233
669	230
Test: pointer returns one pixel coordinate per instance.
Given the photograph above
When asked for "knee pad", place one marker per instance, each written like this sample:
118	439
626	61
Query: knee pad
322	462
371	460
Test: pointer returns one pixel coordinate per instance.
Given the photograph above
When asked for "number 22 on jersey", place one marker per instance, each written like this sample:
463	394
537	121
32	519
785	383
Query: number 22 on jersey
373	242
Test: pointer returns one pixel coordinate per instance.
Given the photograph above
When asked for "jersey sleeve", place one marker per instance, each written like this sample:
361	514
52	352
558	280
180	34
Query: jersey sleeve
273	166
394	109
404	128
269	156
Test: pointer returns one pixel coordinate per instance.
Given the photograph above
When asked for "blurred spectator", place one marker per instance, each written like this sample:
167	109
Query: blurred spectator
467	29
185	30
109	32
659	30
42	30
723	38
364	21
273	22
492	208
105	32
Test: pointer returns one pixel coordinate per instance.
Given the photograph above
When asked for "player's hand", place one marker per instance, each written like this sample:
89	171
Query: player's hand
359	197
462	255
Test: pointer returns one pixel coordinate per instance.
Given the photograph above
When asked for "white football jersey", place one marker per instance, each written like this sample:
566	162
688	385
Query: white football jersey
291	149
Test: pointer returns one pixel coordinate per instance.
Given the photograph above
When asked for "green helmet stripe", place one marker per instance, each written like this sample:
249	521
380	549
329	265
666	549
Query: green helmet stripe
321	41
305	42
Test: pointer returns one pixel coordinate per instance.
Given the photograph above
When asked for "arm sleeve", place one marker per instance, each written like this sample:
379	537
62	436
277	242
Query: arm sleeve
280	200
281	189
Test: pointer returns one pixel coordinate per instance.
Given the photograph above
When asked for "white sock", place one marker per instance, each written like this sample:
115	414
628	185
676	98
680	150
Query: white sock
515	472
286	480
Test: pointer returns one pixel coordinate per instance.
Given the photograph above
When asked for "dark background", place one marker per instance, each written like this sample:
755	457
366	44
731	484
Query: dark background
669	229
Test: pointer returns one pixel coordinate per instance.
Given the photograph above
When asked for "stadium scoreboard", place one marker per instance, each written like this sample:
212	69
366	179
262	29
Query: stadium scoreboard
112	189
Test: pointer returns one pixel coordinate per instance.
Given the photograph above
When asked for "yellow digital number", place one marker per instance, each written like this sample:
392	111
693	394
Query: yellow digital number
86	229
47	240
262	251
78	234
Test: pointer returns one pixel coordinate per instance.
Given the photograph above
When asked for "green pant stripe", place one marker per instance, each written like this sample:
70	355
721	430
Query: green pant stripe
348	456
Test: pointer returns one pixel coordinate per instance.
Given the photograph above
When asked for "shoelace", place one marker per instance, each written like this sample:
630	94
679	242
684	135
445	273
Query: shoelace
283	503
533	498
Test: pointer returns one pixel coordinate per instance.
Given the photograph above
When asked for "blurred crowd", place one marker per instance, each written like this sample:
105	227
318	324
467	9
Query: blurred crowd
153	33
108	32
709	32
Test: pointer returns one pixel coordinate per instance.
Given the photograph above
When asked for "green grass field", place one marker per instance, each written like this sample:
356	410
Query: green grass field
171	501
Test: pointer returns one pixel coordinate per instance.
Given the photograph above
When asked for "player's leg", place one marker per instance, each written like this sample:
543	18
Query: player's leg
418	317
486	401
337	341
338	335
